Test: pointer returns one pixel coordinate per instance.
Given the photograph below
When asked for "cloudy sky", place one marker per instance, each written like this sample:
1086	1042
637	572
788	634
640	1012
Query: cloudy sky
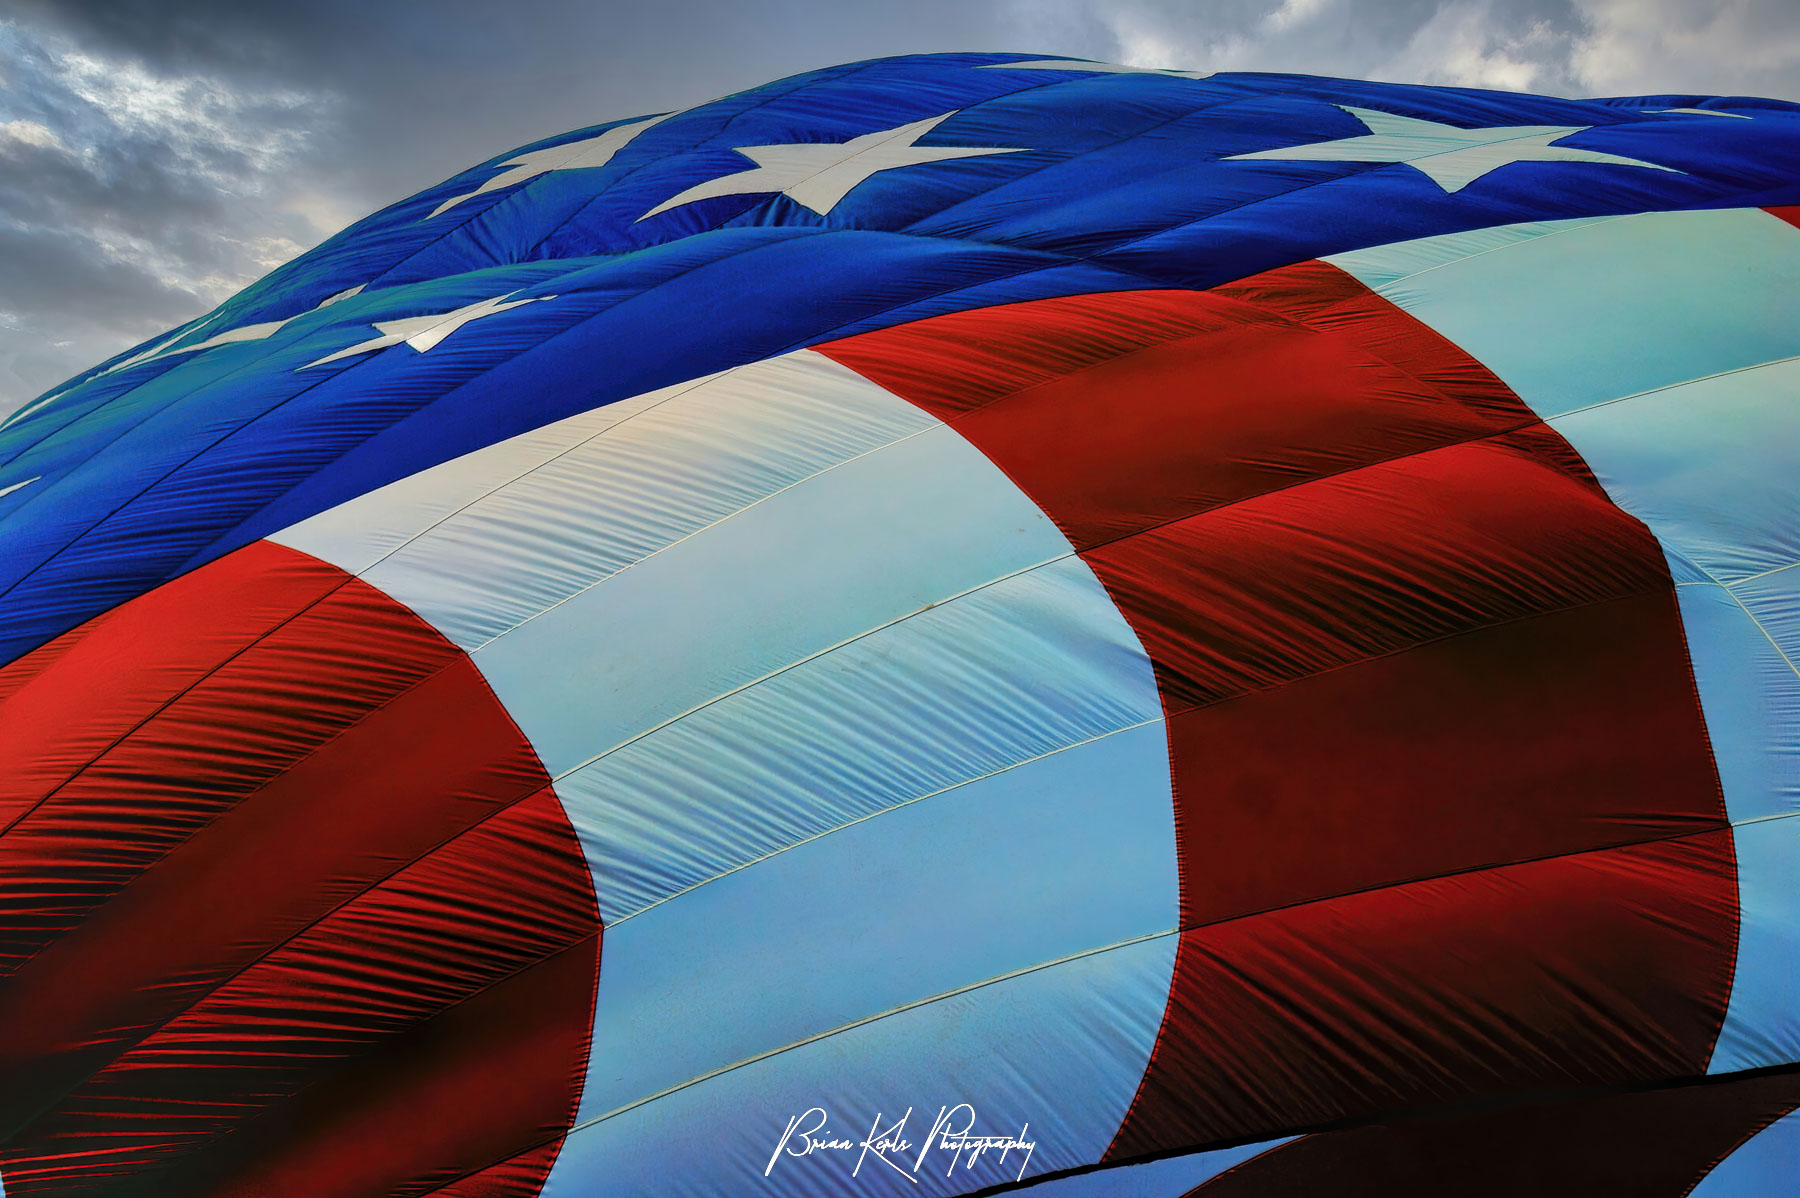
156	155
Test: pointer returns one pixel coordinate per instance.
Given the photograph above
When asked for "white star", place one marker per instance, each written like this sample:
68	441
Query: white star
819	174
1701	112
247	332
1451	157
168	349
1082	64
157	350
34	405
575	155
424	332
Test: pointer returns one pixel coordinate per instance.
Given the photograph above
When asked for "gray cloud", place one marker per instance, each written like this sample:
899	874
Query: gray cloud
157	156
1565	47
132	199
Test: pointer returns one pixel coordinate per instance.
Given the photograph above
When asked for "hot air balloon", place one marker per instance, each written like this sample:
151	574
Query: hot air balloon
944	625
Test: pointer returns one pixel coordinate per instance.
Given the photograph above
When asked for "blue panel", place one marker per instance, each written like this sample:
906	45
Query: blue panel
832	558
1766	1164
1762	1022
1058	1051
1613	308
1060	856
1121	180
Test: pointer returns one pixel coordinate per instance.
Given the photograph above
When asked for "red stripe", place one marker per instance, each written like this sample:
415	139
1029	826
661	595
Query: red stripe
506	1178
1372	562
1120	412
246	901
1477	749
58	720
1600	968
447	1097
232	716
1400	632
1789	213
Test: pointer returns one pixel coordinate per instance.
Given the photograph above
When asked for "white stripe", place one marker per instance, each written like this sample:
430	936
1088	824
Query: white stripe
5	491
485	542
788	642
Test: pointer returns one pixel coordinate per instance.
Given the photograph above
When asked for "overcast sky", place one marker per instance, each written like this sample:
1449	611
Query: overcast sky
157	155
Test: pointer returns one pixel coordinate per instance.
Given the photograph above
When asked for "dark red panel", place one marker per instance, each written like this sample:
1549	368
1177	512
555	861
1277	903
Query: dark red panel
1327	299
303	873
67	702
1525	739
1652	1144
1173	403
957	363
1789	213
507	1178
1601	969
207	741
509	892
448	1097
1372	562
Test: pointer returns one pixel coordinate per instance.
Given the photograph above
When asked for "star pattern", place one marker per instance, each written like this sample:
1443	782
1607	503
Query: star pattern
167	348
576	155
820	174
1450	156
425	332
1702	112
247	332
1098	68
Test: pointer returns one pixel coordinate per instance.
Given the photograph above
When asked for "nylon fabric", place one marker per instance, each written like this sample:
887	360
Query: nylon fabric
1240	623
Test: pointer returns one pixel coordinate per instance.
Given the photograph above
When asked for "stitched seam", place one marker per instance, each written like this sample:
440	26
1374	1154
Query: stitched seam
1576	225
880	811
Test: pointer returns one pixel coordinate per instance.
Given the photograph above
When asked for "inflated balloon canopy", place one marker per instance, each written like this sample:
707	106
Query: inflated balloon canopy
1127	630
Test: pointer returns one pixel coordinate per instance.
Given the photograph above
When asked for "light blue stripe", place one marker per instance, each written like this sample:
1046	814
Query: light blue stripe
1713	467
1762	1022
831	558
1606	308
1170	1178
683	459
1773	600
1057	857
1379	267
1751	698
1013	671
1060	1049
1766	1164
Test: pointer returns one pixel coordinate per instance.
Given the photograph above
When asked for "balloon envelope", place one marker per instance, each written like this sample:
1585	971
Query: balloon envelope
1226	632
